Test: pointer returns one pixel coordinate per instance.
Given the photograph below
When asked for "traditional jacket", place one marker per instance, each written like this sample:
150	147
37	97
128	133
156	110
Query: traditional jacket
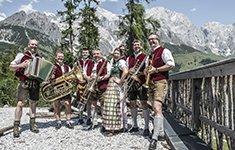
86	65
158	62
94	68
135	61
58	70
102	85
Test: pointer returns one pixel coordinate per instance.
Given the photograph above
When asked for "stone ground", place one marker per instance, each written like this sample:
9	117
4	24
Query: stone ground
66	139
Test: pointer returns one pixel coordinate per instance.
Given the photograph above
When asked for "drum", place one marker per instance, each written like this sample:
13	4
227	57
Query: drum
39	68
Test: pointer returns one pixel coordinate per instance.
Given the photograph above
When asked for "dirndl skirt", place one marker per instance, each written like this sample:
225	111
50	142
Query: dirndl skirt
111	116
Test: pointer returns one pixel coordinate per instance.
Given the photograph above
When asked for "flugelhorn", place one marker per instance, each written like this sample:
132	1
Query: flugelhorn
148	68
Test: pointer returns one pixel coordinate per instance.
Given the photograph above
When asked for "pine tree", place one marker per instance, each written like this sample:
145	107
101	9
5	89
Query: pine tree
134	25
88	31
69	16
8	81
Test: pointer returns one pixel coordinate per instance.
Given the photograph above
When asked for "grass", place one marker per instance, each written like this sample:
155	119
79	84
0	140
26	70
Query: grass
187	58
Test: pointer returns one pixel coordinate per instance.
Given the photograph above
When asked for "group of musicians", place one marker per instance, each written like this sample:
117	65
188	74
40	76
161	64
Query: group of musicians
137	76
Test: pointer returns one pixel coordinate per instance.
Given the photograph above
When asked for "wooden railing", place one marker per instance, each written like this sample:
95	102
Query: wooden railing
204	100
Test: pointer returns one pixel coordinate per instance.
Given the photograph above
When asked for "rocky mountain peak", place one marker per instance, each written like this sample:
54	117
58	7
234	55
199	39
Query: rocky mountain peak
37	21
176	28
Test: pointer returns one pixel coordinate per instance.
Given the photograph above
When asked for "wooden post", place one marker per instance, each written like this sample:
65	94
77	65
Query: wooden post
174	94
196	98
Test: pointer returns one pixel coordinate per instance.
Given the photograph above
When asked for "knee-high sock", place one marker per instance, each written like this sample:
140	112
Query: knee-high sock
158	122
134	113
88	109
161	131
93	115
146	118
124	113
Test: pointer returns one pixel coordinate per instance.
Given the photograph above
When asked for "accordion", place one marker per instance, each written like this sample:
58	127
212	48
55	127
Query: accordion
39	69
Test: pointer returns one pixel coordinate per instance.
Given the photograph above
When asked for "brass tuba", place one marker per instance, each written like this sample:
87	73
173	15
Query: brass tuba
61	86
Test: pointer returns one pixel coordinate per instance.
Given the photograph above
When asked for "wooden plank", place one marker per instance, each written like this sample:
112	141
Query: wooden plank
179	135
210	112
216	114
233	109
196	97
220	120
51	115
216	69
220	128
172	138
174	90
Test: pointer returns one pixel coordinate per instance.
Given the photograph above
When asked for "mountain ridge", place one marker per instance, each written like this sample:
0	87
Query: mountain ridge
176	29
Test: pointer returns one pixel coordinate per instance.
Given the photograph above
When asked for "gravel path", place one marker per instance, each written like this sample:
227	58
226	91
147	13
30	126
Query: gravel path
66	139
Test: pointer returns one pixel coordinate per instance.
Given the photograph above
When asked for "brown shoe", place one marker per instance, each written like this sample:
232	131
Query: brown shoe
16	130
33	126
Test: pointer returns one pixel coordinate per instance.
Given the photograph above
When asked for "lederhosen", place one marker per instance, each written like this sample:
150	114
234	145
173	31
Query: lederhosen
137	89
111	108
27	85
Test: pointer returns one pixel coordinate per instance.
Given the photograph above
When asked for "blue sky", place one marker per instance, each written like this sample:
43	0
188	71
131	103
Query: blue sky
198	11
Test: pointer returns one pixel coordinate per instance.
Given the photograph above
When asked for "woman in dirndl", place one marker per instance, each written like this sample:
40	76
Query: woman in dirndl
113	102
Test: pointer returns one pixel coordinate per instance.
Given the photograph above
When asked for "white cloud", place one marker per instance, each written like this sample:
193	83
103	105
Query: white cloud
27	8
193	9
2	1
2	16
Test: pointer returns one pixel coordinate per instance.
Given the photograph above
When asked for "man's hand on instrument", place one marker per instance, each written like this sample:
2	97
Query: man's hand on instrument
134	77
153	70
24	64
131	71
